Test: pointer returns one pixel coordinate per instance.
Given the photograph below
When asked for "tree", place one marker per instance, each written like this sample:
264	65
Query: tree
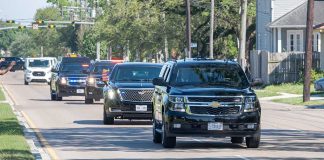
23	46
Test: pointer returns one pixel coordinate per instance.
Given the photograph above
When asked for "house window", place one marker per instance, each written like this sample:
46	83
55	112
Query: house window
316	42
295	41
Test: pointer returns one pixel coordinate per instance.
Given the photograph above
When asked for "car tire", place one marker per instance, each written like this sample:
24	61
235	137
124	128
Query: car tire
157	137
253	142
237	140
167	142
88	101
107	120
58	98
26	83
53	97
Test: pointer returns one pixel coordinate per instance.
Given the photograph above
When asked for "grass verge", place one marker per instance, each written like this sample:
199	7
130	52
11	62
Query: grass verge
292	88
299	101
2	96
13	145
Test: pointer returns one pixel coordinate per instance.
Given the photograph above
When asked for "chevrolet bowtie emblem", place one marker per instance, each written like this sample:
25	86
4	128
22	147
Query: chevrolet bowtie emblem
215	104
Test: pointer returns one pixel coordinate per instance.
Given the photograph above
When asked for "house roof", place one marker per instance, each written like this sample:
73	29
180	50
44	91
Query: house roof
298	16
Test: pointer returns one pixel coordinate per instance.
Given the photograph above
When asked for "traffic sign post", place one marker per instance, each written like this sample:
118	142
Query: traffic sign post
35	26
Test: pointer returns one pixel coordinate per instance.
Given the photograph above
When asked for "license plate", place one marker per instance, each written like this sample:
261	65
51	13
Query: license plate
80	90
141	107
215	126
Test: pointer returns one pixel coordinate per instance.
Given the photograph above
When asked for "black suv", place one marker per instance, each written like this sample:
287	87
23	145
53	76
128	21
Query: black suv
7	60
93	90
130	91
69	78
205	98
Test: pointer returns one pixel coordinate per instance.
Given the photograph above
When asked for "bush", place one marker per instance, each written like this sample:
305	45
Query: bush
315	75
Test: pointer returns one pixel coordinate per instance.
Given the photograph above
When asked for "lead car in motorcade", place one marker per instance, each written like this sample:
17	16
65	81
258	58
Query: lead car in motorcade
68	78
207	98
129	92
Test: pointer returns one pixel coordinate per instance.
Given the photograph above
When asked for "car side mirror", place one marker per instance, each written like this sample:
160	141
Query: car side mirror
256	82
159	82
53	70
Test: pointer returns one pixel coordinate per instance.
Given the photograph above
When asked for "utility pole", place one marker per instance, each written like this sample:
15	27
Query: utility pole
309	51
98	51
42	51
211	37
188	30
241	58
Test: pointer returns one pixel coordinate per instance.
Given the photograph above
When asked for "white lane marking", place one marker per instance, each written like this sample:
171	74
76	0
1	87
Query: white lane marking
242	157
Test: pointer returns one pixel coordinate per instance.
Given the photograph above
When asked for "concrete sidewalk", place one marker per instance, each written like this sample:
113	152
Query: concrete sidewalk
288	95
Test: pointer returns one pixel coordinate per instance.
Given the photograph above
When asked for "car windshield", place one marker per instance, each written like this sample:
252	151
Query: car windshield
38	63
74	68
210	76
137	74
98	68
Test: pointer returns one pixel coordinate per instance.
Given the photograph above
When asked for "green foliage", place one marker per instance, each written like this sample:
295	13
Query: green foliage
13	144
49	14
23	45
315	75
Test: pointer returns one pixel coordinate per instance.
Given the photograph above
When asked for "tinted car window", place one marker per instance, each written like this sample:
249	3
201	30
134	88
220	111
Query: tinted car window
98	68
137	73
210	76
75	68
38	63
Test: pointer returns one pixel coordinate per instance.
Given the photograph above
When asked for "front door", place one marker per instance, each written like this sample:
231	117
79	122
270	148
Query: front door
295	41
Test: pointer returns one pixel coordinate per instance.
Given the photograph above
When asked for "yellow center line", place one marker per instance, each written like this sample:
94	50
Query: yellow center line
41	138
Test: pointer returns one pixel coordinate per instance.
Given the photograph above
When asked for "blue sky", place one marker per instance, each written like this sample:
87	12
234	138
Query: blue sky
20	9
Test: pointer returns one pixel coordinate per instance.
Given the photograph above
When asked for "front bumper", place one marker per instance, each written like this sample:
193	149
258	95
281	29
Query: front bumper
66	90
42	79
127	110
183	124
92	92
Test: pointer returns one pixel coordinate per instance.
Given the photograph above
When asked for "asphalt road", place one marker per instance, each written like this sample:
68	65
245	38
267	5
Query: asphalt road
75	131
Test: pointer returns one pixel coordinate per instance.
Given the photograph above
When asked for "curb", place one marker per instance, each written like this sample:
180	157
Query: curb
35	146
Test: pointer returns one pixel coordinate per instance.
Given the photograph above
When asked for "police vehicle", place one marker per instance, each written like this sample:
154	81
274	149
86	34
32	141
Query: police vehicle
69	77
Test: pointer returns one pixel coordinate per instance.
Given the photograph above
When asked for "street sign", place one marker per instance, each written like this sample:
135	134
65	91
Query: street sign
35	26
194	45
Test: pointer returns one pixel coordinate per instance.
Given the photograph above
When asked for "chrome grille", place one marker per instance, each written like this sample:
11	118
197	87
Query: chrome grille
39	74
215	111
227	105
214	99
136	95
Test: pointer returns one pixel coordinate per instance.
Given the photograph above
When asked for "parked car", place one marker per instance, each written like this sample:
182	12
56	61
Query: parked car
94	85
129	91
37	70
319	84
68	78
7	60
205	98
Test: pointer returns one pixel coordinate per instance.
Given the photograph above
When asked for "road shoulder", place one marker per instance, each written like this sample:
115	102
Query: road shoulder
29	133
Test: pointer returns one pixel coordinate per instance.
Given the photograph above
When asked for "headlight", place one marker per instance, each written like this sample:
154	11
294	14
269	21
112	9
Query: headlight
63	80
29	71
177	103
250	104
111	94
91	80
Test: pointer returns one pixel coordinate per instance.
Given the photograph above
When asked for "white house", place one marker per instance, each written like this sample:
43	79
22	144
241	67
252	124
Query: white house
281	25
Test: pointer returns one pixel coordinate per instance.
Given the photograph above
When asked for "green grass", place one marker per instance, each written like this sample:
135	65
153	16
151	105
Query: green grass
13	145
292	88
2	96
265	93
299	101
